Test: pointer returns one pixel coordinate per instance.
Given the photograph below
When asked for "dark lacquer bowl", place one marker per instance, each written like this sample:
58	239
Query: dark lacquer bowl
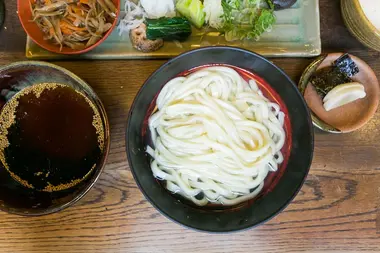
279	188
16	198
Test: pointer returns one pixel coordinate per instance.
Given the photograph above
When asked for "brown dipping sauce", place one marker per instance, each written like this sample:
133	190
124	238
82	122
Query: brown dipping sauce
51	137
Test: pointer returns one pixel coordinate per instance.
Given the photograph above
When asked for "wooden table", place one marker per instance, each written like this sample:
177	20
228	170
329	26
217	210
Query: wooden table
336	210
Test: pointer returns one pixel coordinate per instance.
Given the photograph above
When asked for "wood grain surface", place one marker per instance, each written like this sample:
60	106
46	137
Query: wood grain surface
336	210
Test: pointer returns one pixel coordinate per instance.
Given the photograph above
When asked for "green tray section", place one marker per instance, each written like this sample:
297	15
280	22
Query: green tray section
296	34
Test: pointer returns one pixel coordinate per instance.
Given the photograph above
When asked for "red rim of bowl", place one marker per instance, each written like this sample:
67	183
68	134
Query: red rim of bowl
272	178
70	52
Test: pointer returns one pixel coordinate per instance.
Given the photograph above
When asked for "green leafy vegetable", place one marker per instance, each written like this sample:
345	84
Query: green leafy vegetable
227	15
192	10
168	28
247	18
262	23
271	4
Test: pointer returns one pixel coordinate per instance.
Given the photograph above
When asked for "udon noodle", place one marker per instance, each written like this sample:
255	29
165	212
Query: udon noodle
215	137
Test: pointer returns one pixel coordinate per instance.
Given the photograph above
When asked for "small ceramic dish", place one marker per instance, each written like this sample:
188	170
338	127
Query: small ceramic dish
349	117
35	33
17	198
359	25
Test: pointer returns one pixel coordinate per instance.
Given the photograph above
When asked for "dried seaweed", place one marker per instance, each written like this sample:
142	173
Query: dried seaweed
324	80
346	65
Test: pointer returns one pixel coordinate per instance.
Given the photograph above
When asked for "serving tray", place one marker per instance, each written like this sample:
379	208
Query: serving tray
295	34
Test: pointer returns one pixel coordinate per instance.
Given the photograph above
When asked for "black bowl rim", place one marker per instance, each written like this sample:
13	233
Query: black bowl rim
309	121
95	178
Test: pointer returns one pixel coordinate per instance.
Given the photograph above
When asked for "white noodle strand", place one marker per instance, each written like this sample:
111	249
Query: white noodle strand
215	137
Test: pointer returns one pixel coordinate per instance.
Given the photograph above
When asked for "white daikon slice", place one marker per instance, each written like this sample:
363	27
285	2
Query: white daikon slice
343	94
342	88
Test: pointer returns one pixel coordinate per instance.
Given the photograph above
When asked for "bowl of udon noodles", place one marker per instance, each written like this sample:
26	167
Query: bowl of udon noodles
219	139
66	26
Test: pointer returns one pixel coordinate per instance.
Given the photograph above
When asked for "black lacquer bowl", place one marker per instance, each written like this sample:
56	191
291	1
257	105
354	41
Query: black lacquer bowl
16	198
280	187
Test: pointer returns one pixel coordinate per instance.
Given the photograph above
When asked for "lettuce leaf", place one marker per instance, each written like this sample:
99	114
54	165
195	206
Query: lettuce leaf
192	10
247	18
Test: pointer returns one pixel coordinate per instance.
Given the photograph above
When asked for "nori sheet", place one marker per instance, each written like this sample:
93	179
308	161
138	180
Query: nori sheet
346	65
324	80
